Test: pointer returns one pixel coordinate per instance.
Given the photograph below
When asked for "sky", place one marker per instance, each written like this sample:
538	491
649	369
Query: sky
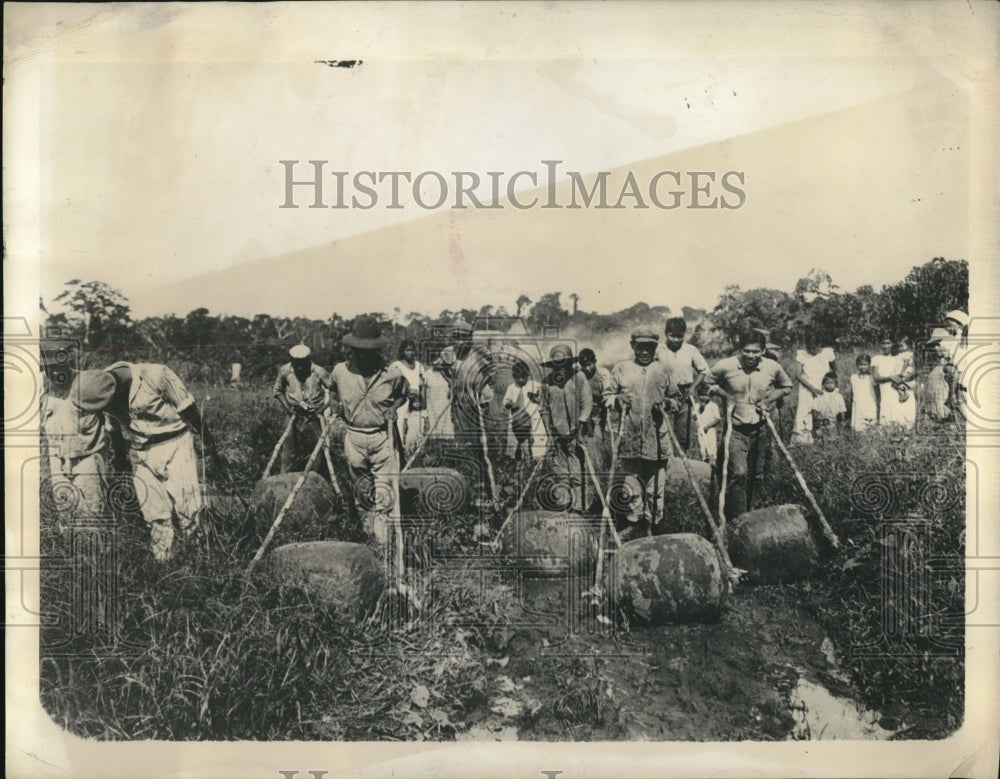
161	131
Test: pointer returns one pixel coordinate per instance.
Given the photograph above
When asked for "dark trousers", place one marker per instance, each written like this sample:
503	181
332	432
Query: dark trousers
682	424
299	445
747	452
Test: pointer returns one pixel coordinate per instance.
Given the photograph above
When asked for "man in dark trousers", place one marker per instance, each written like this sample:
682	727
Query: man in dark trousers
752	385
302	389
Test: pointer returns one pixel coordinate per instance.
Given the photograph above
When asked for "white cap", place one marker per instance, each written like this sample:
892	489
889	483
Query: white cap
299	352
959	316
937	335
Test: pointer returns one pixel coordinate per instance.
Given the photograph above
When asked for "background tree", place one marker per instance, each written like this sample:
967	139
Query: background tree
96	313
522	301
926	294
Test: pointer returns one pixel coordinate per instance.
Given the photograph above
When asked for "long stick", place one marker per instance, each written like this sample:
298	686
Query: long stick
486	458
396	519
288	501
824	525
724	476
720	541
606	509
517	506
277	447
325	428
425	439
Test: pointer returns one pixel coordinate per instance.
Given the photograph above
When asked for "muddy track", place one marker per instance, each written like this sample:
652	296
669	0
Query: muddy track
735	679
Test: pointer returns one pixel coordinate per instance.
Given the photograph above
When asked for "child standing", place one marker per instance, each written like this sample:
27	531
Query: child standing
709	422
829	410
521	401
864	405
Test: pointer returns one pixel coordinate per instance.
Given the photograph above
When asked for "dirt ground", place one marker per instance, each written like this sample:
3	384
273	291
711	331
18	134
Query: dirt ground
730	680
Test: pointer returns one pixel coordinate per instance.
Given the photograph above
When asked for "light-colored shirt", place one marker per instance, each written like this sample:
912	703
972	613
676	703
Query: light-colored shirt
647	385
815	366
563	408
748	387
156	398
311	392
600	381
367	403
518	400
864	405
72	434
829	405
686	364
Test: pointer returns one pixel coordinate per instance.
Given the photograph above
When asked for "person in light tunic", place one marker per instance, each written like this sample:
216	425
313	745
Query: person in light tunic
688	367
156	417
642	390
366	393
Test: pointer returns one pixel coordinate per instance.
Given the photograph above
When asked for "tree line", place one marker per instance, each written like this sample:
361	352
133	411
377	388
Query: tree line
203	345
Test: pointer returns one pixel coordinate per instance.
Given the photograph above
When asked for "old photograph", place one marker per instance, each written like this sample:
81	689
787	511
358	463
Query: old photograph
502	390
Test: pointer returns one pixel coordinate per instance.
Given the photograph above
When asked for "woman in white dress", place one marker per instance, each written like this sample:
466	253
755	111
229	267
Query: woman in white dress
410	416
438	384
864	404
812	364
888	372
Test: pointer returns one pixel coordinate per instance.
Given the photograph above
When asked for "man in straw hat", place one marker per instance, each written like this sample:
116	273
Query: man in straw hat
565	406
752	385
643	390
302	389
367	394
156	415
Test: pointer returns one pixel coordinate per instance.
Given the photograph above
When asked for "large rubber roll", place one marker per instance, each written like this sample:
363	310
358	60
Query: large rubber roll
311	516
551	543
346	578
669	579
773	544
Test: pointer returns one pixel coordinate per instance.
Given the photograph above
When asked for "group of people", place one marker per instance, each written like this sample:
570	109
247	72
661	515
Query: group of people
568	409
883	391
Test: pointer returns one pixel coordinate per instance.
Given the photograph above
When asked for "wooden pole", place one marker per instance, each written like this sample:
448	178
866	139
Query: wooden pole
720	542
724	476
274	455
325	429
288	502
824	525
425	439
486	458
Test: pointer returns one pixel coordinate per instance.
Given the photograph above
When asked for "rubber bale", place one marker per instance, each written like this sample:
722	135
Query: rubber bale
550	543
773	544
678	481
433	492
309	518
343	577
670	579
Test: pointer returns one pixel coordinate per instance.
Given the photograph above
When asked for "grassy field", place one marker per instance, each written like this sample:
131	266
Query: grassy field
197	650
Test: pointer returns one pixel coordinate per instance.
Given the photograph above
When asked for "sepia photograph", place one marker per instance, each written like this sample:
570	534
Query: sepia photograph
501	389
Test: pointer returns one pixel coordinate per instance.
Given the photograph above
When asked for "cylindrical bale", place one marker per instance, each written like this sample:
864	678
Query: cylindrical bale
346	578
774	544
551	543
672	578
309	517
678	481
433	492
